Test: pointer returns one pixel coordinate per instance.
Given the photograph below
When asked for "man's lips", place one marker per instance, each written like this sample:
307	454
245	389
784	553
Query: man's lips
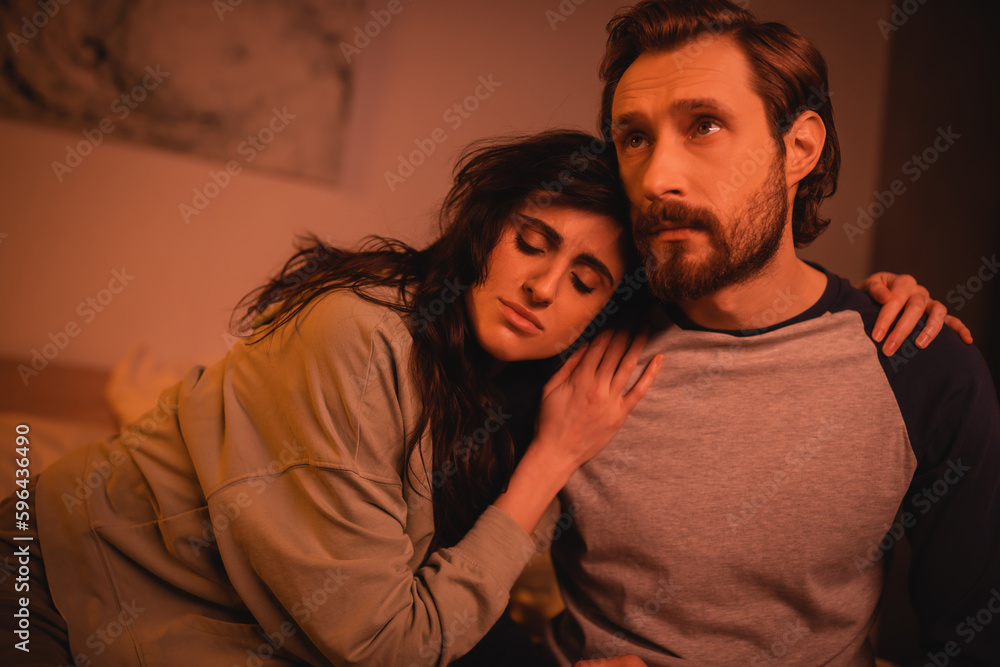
520	317
673	225
674	233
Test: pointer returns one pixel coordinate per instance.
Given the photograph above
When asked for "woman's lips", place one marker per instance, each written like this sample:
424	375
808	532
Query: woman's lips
522	318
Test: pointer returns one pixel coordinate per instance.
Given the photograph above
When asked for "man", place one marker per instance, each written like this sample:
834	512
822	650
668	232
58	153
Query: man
745	512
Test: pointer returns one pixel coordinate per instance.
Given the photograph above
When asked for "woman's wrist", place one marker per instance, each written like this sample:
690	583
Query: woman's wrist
539	476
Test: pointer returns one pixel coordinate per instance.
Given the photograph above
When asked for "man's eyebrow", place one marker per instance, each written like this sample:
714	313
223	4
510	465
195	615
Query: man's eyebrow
557	239
699	104
624	121
631	119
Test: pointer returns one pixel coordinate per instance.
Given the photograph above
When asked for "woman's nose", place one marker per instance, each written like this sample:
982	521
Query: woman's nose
542	286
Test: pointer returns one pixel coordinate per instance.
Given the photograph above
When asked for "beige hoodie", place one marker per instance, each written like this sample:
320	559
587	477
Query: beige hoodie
260	515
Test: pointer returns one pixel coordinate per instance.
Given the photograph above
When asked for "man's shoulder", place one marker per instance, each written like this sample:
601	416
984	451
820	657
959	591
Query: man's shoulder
947	374
938	389
850	297
946	347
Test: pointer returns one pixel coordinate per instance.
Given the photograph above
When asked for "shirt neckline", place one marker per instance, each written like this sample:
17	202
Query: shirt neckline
830	294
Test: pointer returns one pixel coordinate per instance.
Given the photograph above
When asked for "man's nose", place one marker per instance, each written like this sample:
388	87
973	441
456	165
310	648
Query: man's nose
664	174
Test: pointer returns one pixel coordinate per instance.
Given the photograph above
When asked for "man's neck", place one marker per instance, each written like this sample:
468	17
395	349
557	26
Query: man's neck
786	288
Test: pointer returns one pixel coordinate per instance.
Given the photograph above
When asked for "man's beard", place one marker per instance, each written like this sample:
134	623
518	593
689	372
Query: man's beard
734	256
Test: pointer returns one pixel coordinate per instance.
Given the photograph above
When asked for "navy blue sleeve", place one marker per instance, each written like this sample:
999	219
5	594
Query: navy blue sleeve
951	511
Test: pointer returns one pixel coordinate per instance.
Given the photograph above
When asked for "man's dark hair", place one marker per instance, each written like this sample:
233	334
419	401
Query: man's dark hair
789	74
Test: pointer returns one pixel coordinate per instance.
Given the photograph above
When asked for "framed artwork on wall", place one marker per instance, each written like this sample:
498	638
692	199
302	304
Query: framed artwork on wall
265	83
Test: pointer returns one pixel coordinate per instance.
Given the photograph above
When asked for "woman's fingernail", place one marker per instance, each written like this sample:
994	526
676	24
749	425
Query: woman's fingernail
922	340
878	334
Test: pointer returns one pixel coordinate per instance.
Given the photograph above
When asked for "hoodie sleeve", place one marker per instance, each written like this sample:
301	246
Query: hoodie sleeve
324	554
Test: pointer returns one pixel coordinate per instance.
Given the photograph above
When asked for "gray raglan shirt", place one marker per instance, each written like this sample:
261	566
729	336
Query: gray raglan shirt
743	513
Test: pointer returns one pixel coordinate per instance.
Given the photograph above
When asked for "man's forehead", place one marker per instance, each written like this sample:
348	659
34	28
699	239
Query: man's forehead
712	68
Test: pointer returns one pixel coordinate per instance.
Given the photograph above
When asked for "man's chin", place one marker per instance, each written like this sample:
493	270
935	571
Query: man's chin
681	280
688	253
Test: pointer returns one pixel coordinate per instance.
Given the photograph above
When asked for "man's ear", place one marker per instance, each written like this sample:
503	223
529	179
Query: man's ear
803	146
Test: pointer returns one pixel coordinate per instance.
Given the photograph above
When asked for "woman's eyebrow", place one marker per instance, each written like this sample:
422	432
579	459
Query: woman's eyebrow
543	227
596	264
556	238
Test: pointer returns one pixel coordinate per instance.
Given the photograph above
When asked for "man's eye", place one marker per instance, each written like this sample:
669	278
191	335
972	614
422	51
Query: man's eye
705	128
635	141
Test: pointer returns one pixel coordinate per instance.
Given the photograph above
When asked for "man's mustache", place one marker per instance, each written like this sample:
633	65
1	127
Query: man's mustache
672	215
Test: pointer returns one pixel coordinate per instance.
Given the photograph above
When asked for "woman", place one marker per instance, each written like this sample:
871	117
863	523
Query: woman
355	482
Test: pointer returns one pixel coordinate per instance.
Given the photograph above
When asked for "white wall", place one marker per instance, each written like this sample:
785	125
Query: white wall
119	209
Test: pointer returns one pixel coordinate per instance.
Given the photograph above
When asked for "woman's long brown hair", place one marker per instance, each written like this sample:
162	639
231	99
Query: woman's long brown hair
459	399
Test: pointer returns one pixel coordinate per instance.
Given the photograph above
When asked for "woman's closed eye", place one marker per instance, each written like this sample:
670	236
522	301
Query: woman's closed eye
584	278
580	286
528	248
